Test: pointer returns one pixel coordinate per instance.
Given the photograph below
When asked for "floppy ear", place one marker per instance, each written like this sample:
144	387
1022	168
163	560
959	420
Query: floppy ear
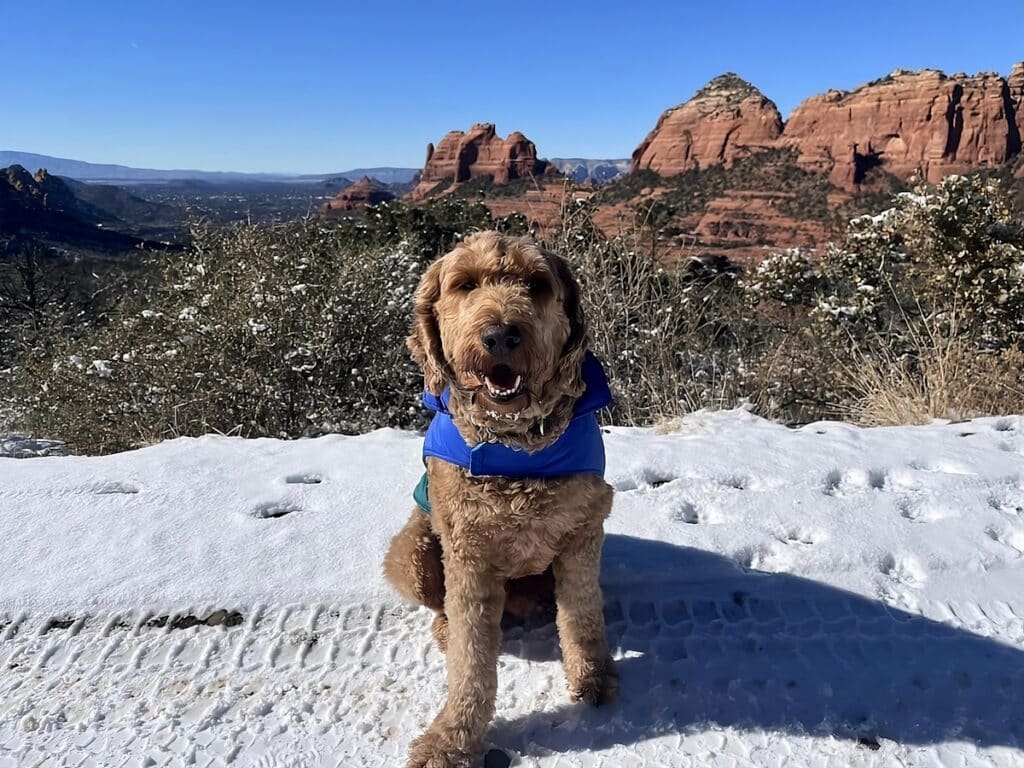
424	338
570	367
578	339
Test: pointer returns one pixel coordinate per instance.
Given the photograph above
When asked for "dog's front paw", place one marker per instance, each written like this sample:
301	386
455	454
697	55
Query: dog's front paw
436	749
598	685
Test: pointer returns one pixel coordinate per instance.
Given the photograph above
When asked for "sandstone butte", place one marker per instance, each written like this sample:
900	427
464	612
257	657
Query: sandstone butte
923	124
726	118
461	156
364	192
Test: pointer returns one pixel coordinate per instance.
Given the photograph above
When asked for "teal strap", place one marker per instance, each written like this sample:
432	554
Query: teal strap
420	496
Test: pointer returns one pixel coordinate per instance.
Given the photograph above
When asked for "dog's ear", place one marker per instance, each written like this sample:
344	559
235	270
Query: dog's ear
579	339
424	339
571	305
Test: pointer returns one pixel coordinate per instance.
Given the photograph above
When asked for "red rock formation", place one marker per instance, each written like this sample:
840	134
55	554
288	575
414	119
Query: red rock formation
1015	88
726	118
478	152
924	124
909	123
46	191
364	192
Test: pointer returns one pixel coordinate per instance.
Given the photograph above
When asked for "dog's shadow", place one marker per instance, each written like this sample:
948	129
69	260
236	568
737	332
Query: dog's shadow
703	643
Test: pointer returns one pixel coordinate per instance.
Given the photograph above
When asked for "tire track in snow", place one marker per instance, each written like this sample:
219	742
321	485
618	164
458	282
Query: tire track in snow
703	674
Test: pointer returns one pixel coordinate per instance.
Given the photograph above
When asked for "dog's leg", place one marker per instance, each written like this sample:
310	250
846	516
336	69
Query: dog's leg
414	568
588	665
473	603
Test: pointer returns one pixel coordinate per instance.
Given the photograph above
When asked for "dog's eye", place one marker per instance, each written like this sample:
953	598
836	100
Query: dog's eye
537	285
467	285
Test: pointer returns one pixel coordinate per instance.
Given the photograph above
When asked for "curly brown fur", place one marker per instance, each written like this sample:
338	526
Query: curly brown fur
490	530
490	278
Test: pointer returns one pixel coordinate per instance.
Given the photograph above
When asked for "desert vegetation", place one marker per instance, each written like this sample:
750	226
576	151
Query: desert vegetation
294	329
802	193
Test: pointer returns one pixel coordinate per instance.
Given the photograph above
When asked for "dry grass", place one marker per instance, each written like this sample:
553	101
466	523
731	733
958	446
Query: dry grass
666	333
950	380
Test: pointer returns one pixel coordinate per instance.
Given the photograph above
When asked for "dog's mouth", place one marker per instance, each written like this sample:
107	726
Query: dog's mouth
502	383
501	386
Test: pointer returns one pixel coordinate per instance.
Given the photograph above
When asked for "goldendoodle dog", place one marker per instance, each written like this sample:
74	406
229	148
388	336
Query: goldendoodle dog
514	483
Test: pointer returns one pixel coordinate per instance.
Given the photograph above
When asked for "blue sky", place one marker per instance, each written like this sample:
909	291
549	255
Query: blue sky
312	86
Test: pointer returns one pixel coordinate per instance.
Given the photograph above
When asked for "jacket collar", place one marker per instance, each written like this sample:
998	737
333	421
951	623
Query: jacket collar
579	449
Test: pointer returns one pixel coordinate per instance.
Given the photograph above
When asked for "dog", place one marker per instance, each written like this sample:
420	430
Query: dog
513	493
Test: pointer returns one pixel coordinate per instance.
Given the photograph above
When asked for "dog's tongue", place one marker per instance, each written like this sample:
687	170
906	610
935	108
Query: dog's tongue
502	376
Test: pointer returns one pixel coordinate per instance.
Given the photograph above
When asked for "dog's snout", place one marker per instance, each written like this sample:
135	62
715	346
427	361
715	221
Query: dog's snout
500	340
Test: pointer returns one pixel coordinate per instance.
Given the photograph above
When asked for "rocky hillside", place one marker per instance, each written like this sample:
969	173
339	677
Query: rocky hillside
723	174
463	156
923	123
45	206
727	176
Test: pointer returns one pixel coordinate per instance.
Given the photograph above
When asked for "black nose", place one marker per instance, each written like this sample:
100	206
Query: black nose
500	340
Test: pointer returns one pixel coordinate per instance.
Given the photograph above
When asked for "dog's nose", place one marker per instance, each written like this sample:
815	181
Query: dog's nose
500	340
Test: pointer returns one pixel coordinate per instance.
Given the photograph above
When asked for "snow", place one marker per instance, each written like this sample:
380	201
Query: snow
878	573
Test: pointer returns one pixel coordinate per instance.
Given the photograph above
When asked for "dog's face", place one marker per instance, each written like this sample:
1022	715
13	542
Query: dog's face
498	320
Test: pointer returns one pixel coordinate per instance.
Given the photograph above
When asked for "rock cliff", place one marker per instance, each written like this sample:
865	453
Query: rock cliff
45	206
925	124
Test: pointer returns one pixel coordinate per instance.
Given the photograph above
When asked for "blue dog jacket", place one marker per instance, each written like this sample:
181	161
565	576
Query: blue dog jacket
580	449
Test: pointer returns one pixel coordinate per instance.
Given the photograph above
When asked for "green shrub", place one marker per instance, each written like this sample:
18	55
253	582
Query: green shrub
788	277
296	329
255	331
908	296
429	229
942	254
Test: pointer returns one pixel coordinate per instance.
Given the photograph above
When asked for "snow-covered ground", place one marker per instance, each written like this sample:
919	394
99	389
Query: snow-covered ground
826	596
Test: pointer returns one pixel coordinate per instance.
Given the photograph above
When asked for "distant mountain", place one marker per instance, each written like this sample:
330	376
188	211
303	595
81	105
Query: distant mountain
114	205
83	171
582	170
77	169
356	196
386	175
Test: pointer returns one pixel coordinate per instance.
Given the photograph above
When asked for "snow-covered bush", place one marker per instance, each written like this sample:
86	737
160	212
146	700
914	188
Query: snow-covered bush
909	298
943	254
254	331
669	335
47	294
949	256
283	331
788	277
299	328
